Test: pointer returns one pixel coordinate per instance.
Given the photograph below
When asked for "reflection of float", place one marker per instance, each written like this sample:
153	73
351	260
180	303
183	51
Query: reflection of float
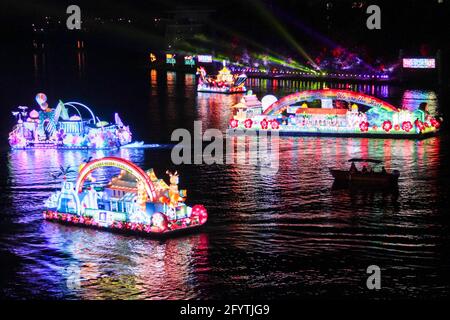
135	200
334	113
56	128
225	82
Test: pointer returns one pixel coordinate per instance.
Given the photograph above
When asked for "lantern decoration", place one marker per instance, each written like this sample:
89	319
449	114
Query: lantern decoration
387	125
264	124
200	212
397	127
248	123
364	126
275	125
234	123
407	126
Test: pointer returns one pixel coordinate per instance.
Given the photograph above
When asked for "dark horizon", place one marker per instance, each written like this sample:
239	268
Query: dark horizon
413	26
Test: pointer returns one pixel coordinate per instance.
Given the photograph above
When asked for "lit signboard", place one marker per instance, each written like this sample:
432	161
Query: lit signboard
170	58
419	63
204	58
189	61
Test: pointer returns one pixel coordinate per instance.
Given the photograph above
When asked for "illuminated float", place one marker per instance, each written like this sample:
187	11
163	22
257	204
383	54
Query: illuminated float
333	112
225	82
58	128
135	200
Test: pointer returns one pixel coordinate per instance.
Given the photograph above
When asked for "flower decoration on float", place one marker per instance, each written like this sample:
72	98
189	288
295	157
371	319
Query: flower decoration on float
264	124
275	125
407	126
435	123
248	123
234	123
419	125
387	125
364	126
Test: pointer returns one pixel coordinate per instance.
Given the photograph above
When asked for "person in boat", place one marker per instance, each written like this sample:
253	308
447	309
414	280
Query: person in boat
383	170
364	169
353	168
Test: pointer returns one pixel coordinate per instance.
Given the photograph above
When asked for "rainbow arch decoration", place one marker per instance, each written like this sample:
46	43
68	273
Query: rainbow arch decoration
335	94
120	163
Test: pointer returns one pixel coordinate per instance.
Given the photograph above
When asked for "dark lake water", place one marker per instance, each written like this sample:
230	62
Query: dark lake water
282	236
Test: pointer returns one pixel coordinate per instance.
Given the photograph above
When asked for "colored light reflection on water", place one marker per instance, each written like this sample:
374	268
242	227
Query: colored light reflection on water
269	236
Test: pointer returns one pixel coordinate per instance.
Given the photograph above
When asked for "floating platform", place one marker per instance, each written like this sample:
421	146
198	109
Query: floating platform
135	201
224	82
336	113
65	127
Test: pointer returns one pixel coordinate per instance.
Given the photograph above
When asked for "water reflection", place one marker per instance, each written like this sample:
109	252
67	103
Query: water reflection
269	236
112	266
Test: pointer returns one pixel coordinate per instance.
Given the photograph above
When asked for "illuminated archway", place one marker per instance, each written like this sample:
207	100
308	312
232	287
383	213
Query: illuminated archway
73	104
122	164
334	94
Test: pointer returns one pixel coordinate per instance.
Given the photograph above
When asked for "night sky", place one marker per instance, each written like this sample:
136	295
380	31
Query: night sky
416	26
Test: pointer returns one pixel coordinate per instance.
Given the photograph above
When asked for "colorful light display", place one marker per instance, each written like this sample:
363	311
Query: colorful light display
135	200
225	82
189	61
204	58
419	63
170	59
342	112
57	128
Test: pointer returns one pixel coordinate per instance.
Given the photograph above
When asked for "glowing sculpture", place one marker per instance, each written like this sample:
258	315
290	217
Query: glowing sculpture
135	200
55	128
225	82
335	113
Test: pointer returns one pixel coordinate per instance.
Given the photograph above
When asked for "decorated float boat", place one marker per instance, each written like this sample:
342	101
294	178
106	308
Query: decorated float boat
134	201
333	112
224	82
64	127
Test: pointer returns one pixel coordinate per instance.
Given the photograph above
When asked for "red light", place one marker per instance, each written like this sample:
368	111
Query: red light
234	123
364	126
387	126
407	126
264	124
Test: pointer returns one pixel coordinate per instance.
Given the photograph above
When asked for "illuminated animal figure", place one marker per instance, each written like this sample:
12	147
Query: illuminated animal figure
175	195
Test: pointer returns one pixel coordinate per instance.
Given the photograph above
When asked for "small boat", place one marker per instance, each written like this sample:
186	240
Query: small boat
134	201
365	176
